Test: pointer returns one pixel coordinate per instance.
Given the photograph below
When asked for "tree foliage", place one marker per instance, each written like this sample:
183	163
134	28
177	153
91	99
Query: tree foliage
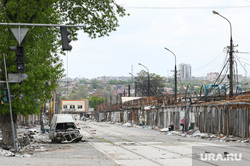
116	82
79	92
96	84
156	84
42	44
94	101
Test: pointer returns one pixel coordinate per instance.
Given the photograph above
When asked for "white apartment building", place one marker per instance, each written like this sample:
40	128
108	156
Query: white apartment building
185	71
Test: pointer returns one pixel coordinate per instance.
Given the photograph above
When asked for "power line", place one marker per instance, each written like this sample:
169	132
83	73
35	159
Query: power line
246	1
210	62
181	8
241	63
211	65
244	58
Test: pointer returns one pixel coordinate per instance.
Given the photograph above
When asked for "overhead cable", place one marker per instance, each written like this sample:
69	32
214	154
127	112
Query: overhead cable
181	8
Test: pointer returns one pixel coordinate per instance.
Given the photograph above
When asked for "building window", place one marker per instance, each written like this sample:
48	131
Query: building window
79	106
72	106
65	106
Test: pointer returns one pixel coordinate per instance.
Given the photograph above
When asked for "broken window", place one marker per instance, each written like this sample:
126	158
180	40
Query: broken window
65	126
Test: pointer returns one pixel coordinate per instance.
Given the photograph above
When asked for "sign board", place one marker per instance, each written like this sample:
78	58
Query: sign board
19	33
16	77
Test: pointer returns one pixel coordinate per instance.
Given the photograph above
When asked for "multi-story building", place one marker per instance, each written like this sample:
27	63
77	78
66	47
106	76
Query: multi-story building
212	76
118	78
185	71
80	107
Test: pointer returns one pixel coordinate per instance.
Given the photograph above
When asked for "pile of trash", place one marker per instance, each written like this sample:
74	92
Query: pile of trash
128	124
27	142
210	137
32	141
193	133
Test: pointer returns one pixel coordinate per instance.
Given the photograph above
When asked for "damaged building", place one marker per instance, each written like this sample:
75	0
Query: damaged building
217	116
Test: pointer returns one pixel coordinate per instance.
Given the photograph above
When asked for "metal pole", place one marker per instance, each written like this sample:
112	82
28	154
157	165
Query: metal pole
175	83
148	78
11	117
67	75
41	25
231	68
148	85
135	88
132	78
175	76
230	56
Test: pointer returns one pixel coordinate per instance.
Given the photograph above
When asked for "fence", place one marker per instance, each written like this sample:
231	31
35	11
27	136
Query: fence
219	117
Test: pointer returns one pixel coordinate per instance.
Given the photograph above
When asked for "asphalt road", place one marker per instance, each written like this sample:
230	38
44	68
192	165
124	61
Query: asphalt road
112	144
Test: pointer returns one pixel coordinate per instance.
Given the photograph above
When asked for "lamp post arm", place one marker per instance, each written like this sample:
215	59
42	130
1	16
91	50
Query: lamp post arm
227	21
148	78
175	75
229	24
145	67
172	53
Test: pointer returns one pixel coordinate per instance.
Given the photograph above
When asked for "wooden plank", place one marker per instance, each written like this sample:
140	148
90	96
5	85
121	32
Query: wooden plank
225	120
208	120
247	121
228	112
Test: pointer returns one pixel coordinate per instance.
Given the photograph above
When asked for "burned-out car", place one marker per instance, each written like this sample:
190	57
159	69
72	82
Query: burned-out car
63	129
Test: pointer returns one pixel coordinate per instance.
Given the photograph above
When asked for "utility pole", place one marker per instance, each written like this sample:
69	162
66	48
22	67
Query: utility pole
231	68
11	116
230	56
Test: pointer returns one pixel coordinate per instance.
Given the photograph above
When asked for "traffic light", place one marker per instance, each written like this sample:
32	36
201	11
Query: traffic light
5	96
19	57
65	38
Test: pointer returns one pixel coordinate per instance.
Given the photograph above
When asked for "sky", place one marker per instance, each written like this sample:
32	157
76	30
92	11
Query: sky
188	28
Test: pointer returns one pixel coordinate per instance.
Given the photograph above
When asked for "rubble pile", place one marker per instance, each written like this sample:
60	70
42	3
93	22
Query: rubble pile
127	124
32	141
207	136
27	143
194	133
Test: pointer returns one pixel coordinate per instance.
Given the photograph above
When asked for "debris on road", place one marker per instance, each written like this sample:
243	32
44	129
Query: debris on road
127	124
164	130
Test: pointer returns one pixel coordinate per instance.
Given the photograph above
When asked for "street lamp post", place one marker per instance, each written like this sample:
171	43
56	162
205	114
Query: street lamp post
133	82
230	56
175	76
148	78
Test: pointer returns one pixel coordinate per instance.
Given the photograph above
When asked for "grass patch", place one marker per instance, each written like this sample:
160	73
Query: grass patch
103	140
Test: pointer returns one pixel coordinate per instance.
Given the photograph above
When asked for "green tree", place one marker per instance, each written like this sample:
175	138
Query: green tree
156	84
83	81
96	84
42	46
94	101
80	92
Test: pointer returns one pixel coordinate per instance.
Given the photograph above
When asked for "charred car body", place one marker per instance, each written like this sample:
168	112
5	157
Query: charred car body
63	129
